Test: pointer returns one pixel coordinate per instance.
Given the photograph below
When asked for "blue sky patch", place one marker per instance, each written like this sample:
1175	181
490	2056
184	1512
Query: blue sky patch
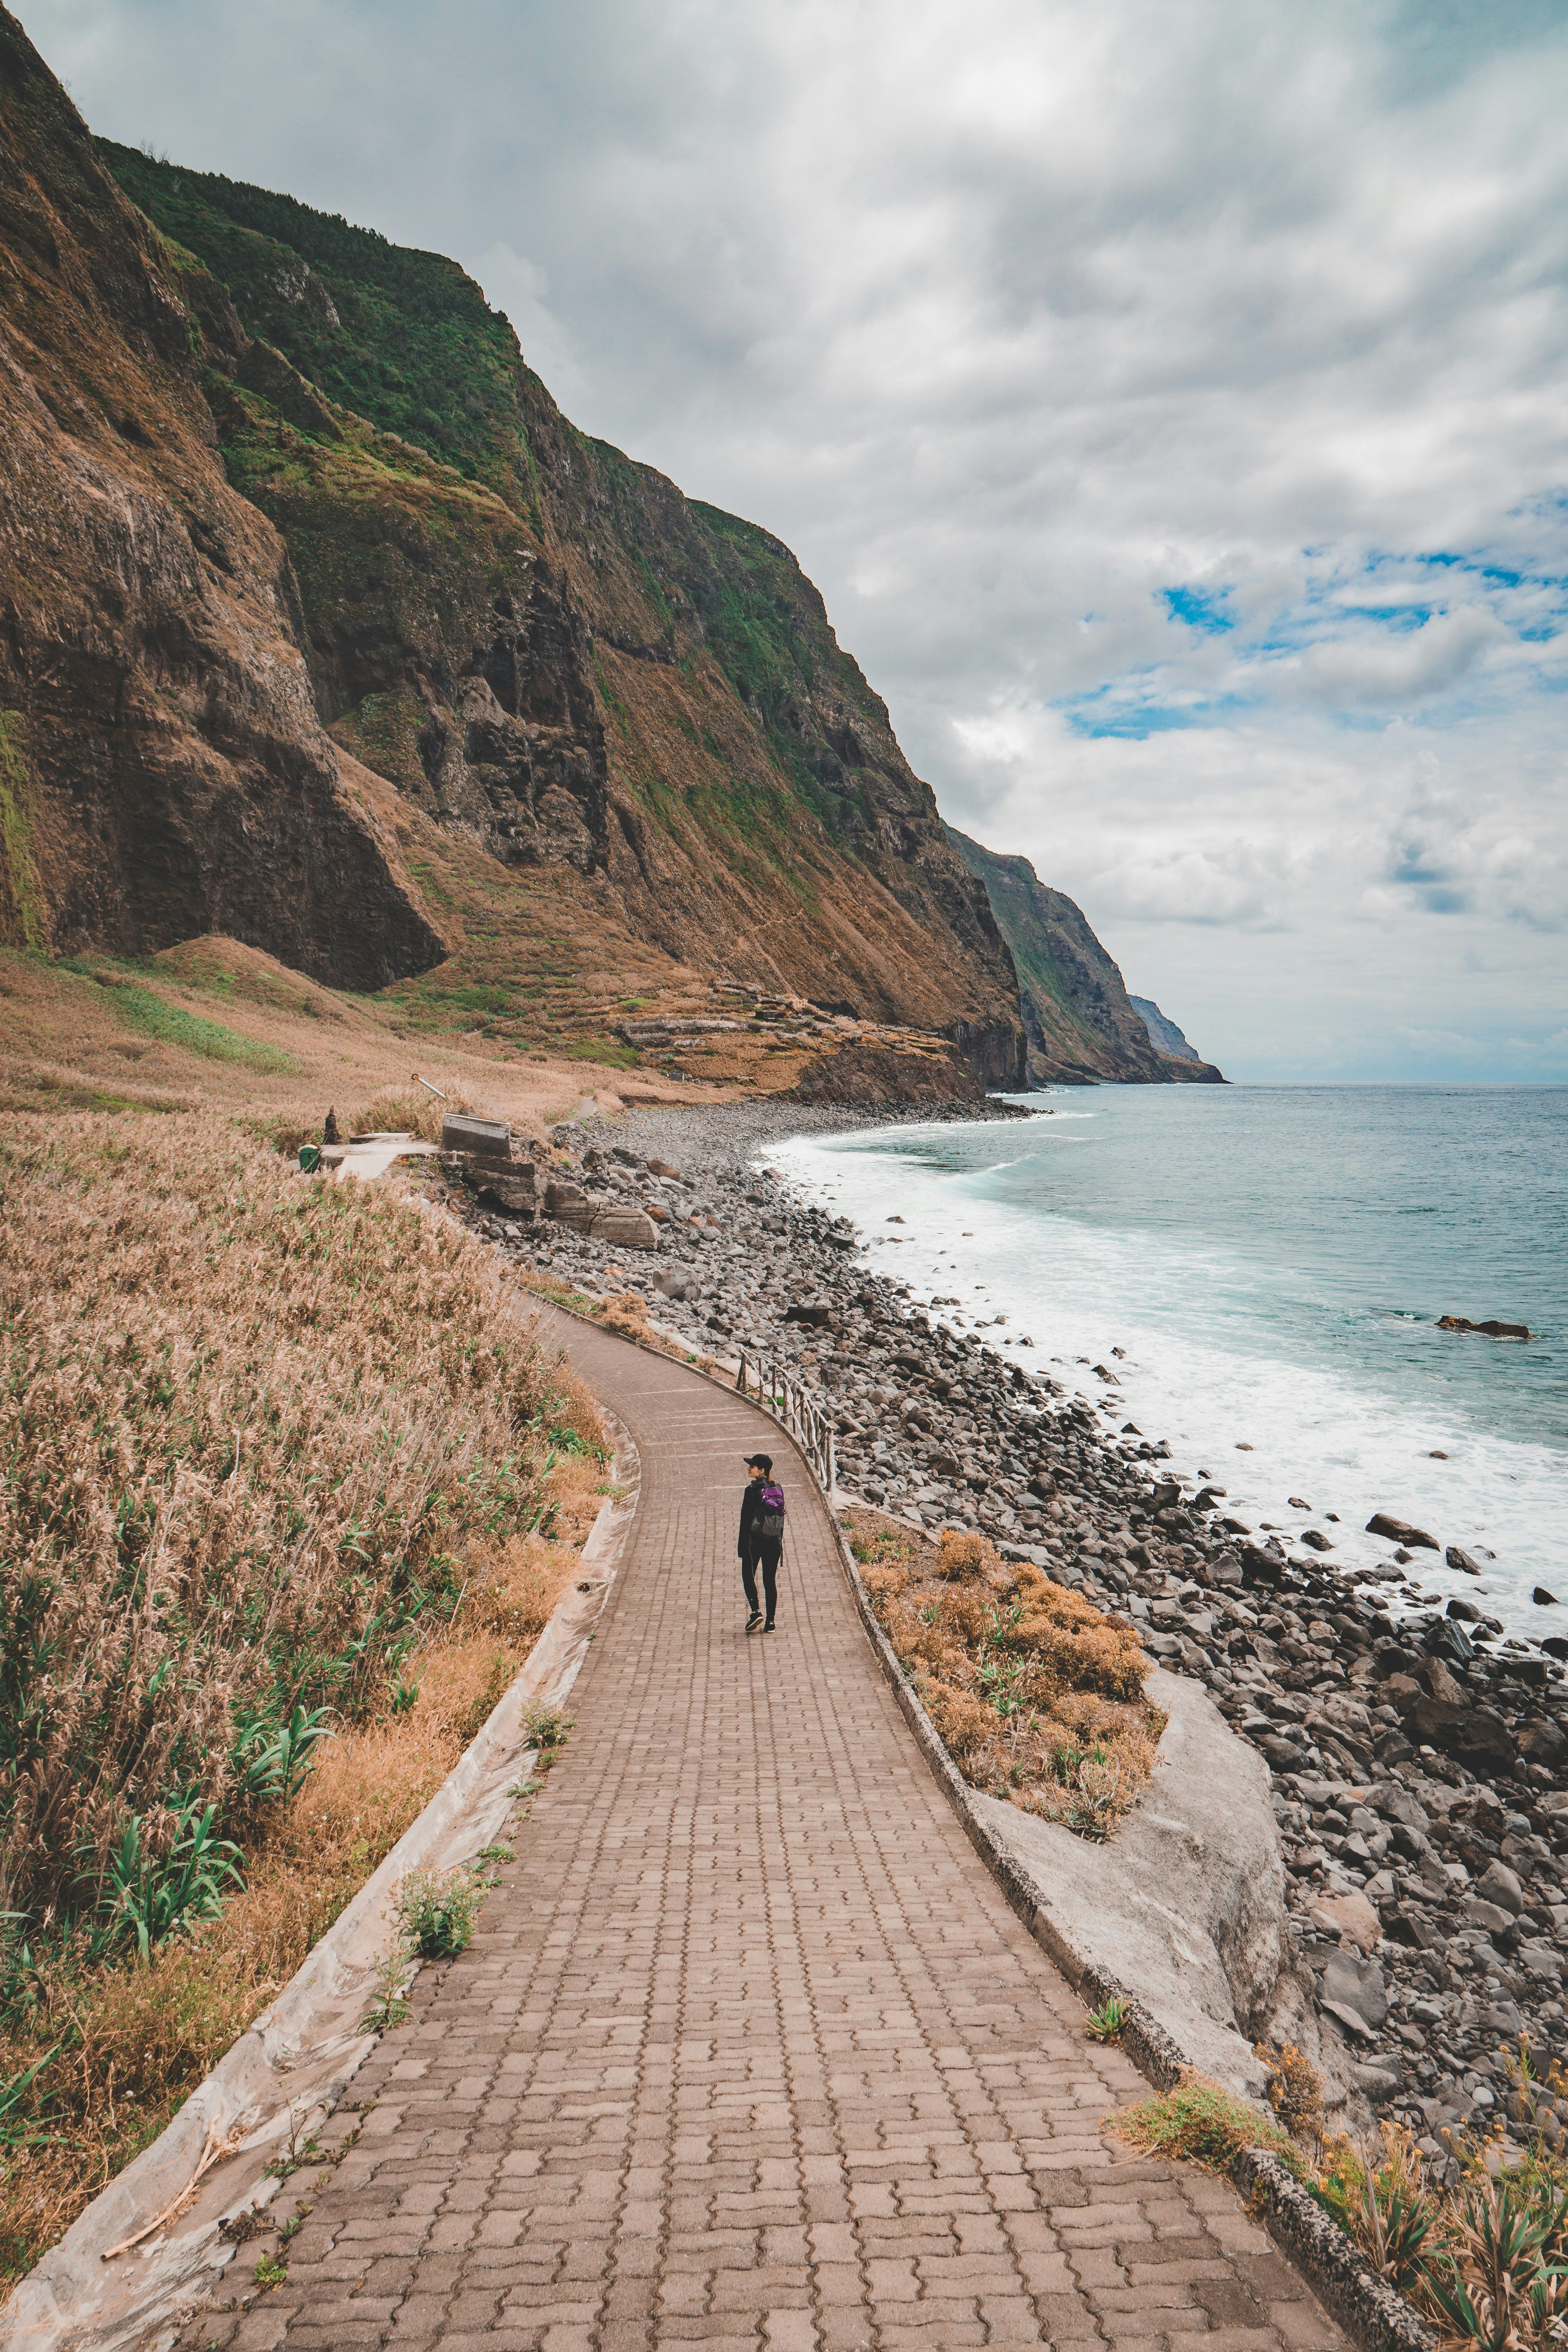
1200	608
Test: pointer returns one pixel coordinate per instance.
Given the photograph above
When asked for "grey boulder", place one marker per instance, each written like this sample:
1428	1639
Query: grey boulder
1354	1991
1497	1885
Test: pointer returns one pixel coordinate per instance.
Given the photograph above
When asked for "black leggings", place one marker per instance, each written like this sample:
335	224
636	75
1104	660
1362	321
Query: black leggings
768	1554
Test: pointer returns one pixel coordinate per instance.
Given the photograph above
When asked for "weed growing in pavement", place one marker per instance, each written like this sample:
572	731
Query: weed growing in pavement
436	1909
547	1726
297	2151
1201	2121
387	2006
269	2272
1106	2023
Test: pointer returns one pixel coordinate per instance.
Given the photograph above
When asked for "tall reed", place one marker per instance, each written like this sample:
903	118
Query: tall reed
253	1429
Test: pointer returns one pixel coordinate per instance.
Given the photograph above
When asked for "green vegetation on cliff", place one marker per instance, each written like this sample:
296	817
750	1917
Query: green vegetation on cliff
402	338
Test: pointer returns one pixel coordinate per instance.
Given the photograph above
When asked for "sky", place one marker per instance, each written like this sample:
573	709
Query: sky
1170	403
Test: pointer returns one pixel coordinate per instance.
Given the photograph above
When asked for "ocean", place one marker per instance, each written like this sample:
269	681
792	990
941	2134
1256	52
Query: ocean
1261	1269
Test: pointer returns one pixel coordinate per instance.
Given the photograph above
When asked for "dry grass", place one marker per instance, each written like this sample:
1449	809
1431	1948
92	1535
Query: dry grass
136	2039
1037	1696
267	1441
253	1426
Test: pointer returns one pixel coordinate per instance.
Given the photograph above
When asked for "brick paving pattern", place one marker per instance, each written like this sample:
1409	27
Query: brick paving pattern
748	2050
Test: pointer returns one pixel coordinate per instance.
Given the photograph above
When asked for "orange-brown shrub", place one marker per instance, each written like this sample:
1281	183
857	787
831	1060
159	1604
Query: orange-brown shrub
1073	1642
965	1722
1038	1696
967	1609
962	1554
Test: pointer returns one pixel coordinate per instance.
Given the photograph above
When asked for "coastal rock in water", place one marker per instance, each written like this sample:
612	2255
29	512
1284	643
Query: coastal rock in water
1448	1641
1315	1539
1457	1556
1543	1598
1491	1330
1400	1531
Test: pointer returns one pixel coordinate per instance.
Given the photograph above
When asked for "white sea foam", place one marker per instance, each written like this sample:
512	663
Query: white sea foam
1192	1315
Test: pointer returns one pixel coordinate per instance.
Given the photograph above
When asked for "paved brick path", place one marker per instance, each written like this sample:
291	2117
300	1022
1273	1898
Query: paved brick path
748	2050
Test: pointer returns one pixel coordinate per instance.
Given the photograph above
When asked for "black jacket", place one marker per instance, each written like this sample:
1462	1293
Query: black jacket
751	1535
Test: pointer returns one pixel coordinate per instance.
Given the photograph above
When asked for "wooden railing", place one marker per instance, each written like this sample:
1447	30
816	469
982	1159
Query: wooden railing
777	1392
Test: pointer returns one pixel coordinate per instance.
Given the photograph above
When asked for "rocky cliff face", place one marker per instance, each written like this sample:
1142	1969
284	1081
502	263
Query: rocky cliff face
550	650
1082	1024
1163	1035
163	770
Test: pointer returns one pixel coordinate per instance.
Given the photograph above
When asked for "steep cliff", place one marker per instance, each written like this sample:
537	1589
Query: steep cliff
1163	1035
549	650
163	770
1082	1024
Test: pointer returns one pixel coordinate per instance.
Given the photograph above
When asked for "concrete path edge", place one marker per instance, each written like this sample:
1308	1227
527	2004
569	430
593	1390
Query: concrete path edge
290	2069
1370	2311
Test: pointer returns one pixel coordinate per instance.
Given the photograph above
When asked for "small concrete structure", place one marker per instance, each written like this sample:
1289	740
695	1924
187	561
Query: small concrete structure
487	1139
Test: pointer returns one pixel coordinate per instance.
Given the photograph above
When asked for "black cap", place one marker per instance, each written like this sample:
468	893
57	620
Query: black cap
760	1462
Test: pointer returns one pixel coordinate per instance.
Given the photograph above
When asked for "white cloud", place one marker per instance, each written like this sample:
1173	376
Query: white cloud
1014	317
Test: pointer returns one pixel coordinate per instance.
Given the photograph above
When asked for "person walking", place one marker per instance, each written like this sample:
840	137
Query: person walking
762	1538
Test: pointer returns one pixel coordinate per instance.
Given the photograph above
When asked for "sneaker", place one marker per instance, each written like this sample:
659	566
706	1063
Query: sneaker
768	1626
753	1621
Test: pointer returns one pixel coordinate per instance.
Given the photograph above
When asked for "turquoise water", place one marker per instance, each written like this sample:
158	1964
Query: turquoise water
1272	1262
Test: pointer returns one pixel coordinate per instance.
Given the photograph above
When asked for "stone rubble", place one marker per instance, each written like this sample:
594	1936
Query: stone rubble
1416	1757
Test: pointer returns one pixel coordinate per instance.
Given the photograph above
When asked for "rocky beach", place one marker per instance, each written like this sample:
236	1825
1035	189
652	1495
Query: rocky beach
1416	1756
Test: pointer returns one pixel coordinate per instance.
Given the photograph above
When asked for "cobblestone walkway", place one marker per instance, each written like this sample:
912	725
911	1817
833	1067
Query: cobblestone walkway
748	2050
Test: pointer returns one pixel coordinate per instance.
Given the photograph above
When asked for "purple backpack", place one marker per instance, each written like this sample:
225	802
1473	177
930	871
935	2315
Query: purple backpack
773	1512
